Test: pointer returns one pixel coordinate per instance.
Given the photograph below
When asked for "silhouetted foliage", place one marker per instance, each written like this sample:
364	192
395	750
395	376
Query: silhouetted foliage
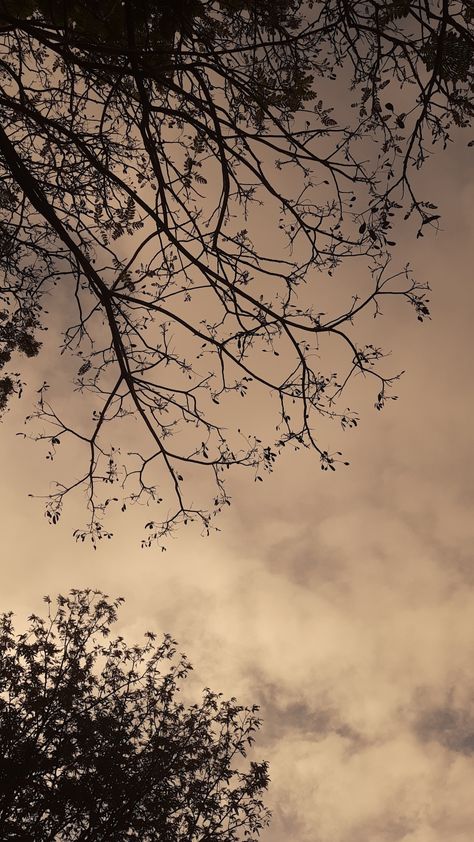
142	144
96	744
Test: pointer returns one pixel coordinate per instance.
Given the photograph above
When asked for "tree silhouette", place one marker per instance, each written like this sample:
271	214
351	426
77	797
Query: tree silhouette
97	745
142	146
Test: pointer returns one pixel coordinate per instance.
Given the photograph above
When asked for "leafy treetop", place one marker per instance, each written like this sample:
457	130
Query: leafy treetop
97	743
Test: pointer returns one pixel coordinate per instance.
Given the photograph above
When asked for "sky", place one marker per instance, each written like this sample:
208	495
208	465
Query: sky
341	603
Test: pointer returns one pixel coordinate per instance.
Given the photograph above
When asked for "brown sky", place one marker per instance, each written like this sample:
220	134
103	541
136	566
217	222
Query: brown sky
342	603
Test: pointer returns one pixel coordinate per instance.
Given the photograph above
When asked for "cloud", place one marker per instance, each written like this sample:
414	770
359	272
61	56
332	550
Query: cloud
450	727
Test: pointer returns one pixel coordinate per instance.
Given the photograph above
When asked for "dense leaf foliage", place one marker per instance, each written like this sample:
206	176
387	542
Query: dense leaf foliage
96	743
185	179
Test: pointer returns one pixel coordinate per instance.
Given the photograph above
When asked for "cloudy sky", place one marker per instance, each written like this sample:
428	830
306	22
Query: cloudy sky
342	603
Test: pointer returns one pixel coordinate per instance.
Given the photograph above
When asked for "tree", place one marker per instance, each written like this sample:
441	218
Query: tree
142	144
96	744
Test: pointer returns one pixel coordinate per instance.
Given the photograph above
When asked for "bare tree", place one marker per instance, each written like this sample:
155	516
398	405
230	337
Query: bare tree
141	146
97	743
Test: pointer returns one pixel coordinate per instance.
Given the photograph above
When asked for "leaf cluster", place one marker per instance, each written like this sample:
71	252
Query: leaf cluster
97	744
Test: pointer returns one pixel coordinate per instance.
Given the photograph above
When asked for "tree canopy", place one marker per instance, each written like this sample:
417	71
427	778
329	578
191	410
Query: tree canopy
182	181
97	743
